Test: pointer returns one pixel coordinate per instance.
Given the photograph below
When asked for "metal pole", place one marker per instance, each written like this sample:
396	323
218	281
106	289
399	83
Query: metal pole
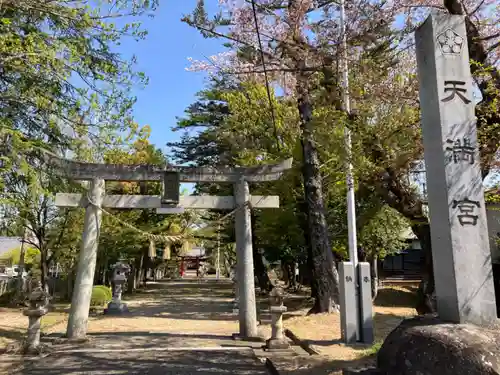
351	208
351	199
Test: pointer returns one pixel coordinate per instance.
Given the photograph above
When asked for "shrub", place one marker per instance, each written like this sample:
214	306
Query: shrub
101	295
107	290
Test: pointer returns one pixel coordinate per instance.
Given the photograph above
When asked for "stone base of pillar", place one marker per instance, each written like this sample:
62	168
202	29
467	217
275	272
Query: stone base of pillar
237	337
116	308
277	344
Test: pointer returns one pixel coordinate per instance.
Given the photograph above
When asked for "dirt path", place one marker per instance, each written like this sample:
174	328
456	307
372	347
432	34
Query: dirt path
182	326
183	313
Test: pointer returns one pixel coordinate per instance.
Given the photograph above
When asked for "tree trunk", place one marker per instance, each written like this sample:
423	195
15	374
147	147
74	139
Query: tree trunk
426	302
293	279
324	270
258	263
131	278
307	240
69	284
285	270
44	269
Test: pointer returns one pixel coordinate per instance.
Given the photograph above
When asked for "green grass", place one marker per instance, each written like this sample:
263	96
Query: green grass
373	350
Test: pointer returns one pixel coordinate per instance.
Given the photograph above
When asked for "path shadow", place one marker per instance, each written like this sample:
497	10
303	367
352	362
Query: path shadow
149	362
185	300
144	340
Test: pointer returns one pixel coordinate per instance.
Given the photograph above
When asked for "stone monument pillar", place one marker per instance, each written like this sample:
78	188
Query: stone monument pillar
119	278
38	301
277	309
459	233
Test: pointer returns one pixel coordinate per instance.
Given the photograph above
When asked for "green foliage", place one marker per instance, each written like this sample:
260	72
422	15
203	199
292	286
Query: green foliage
61	77
384	234
101	295
31	256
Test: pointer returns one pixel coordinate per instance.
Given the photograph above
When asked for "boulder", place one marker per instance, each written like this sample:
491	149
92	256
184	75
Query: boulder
428	346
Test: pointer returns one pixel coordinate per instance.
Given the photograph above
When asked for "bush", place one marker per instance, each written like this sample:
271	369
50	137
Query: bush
101	295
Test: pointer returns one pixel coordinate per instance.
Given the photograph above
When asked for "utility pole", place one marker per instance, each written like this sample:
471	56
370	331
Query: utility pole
346	102
351	199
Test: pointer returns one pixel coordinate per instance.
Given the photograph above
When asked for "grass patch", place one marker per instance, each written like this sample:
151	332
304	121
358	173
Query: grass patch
53	318
373	350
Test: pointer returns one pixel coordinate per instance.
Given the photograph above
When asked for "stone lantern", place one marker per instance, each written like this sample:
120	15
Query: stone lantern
277	309
119	278
38	301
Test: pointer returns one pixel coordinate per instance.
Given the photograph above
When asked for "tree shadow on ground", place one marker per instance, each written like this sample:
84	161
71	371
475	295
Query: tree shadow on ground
319	365
183	300
12	333
145	340
396	297
149	362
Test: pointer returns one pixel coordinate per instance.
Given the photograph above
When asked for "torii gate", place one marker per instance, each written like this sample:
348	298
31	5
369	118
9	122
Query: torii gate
169	202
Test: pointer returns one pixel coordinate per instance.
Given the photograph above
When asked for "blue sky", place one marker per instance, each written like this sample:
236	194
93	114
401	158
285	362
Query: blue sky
163	58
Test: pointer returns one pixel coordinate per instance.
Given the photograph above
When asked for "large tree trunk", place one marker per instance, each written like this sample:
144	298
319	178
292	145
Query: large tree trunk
70	283
324	270
426	302
258	264
307	240
44	269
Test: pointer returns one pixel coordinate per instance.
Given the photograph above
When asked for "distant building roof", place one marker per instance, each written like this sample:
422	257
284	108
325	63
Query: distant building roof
9	243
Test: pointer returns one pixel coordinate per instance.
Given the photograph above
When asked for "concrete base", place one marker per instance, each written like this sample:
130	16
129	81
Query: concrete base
116	309
277	344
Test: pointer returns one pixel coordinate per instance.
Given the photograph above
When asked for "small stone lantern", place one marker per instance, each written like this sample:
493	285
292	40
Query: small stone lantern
38	301
277	309
120	272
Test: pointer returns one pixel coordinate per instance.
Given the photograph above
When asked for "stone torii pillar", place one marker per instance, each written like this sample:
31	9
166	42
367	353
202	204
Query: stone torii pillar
82	292
170	202
244	261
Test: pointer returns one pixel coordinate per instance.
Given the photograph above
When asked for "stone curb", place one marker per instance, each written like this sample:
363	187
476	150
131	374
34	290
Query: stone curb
303	344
